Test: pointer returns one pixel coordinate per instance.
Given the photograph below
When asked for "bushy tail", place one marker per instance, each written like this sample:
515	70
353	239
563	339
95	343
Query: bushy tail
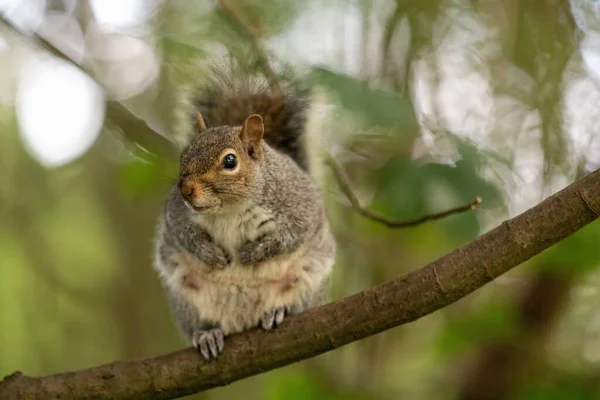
232	93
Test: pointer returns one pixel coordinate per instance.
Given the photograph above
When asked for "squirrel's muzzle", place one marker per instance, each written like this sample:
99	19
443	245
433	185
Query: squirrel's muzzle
196	196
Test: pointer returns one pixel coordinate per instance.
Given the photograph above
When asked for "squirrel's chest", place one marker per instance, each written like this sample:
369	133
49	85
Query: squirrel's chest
231	230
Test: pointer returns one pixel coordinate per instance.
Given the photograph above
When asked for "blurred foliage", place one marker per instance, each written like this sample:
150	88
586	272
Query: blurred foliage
138	176
428	104
305	387
487	324
576	255
407	189
376	106
562	389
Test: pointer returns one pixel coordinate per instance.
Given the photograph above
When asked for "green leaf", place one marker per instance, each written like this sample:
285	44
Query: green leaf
378	107
180	50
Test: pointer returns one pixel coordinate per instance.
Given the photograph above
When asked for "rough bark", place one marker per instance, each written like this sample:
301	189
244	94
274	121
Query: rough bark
402	300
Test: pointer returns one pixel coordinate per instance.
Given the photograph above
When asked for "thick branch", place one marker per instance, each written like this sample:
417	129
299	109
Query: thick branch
402	300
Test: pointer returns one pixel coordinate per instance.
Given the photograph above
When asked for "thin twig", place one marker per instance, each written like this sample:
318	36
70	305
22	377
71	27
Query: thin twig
346	187
232	12
388	34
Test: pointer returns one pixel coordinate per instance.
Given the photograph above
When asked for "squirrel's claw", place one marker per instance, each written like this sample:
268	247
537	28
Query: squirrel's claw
273	319
209	343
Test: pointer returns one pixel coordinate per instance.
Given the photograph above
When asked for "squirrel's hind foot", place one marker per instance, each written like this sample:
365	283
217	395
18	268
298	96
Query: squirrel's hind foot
209	343
273	318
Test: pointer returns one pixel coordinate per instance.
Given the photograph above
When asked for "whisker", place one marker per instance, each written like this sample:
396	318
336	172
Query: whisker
226	192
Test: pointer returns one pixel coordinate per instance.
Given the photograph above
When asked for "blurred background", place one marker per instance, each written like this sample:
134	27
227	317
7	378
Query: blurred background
426	105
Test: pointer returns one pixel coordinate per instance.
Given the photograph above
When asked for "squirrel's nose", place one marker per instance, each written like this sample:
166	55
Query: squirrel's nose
188	189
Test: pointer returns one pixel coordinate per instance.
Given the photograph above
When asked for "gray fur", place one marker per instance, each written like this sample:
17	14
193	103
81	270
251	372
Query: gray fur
183	232
296	207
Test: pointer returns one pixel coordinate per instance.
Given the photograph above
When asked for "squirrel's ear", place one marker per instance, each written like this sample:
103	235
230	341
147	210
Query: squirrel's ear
252	133
201	124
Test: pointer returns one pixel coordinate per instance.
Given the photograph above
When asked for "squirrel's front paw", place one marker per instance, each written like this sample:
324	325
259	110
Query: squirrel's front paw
209	343
258	250
220	259
251	252
273	318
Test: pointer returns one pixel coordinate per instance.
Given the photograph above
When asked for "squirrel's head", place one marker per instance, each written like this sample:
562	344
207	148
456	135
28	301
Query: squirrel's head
219	166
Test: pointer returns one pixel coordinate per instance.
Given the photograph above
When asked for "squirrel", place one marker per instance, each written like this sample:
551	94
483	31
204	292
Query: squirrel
243	239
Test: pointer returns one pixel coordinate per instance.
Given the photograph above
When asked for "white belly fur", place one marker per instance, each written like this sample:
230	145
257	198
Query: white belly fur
237	296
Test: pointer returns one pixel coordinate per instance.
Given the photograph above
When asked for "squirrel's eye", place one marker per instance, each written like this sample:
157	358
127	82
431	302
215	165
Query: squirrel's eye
229	161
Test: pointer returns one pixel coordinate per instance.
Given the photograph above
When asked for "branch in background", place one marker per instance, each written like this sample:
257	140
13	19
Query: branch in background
232	12
388	35
345	185
135	128
308	334
138	131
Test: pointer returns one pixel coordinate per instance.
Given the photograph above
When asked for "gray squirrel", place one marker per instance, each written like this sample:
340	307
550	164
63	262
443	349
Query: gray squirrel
243	239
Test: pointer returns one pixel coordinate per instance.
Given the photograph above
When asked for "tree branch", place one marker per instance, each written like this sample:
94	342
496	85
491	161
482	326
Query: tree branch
232	12
135	128
402	300
346	187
